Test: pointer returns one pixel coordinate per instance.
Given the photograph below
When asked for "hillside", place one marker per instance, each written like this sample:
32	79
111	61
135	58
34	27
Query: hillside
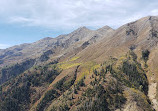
86	70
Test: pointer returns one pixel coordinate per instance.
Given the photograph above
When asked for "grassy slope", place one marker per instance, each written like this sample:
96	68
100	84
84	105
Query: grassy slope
77	96
70	85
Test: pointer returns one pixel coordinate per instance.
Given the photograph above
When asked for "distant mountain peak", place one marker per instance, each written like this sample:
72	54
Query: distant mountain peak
82	29
44	39
104	28
47	38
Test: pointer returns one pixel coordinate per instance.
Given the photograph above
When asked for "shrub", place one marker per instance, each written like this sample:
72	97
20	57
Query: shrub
145	55
49	96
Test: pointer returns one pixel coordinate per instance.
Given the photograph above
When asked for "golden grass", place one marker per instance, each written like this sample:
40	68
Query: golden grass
74	58
68	65
87	68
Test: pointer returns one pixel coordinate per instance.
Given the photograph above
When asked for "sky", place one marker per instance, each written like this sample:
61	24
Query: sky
26	21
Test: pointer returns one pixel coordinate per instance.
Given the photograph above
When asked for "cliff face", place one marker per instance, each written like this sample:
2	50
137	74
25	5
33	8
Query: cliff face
104	70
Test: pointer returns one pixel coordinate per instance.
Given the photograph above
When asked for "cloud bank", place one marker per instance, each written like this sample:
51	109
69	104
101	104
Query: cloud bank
70	14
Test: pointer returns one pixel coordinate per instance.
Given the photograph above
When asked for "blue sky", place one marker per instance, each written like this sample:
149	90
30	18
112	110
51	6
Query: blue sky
26	21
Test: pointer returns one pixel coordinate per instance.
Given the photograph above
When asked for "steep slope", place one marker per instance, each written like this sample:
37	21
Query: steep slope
57	45
138	36
47	49
114	85
104	70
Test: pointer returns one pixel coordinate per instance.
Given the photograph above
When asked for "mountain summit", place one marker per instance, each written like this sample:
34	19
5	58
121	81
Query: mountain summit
86	70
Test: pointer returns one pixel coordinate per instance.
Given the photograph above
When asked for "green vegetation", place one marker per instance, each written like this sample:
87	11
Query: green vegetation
111	85
16	94
18	97
68	65
48	96
45	55
145	55
65	83
79	84
12	71
135	77
128	71
98	103
61	108
74	58
102	99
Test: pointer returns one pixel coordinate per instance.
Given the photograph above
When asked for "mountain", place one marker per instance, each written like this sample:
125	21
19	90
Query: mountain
59	45
86	70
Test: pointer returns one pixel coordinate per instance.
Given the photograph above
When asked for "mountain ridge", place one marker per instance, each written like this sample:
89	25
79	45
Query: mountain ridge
103	69
51	42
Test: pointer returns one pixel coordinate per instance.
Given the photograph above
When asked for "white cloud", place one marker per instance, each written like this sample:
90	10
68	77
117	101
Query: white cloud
4	46
154	12
20	19
70	14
